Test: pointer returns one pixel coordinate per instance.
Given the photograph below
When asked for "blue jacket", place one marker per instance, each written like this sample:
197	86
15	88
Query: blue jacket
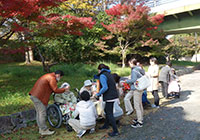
108	85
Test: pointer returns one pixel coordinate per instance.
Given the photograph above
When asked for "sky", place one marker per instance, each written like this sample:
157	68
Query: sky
171	4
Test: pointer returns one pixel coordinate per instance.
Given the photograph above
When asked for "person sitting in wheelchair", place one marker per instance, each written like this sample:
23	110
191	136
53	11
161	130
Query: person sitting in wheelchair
87	115
67	100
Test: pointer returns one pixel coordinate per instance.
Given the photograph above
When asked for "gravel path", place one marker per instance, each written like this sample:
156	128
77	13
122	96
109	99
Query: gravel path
177	119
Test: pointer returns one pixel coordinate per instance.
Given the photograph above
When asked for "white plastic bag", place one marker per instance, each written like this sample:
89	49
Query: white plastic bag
142	83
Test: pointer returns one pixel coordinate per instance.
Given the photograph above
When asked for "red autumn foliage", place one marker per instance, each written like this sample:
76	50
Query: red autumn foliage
9	50
157	19
25	8
18	28
26	11
127	19
130	23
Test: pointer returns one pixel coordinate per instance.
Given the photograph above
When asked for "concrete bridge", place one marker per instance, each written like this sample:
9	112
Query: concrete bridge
181	16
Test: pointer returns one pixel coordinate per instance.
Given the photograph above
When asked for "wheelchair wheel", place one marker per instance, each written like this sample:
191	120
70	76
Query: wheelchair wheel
54	116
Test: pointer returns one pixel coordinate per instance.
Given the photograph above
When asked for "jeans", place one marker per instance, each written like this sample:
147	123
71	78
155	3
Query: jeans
144	98
41	114
156	97
109	116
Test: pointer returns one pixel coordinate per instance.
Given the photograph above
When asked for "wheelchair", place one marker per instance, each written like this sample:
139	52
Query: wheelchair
56	117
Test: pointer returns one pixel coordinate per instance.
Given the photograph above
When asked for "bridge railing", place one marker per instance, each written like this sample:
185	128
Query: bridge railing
154	3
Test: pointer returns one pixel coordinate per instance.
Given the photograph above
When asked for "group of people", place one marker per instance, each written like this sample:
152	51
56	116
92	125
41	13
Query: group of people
47	84
108	91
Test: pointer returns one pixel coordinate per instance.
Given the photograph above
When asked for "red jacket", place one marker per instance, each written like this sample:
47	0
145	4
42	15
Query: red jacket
44	87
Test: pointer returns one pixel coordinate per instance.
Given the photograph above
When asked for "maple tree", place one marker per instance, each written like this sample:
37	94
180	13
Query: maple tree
30	18
131	23
87	7
18	14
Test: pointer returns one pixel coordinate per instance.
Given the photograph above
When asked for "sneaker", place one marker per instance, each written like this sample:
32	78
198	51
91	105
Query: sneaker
81	133
137	124
92	130
129	113
134	120
112	134
153	106
46	132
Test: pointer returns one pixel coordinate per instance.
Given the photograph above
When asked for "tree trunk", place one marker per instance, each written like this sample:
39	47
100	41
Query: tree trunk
45	67
29	56
168	57
123	58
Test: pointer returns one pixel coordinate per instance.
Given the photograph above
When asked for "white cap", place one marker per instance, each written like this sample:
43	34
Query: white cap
65	85
87	83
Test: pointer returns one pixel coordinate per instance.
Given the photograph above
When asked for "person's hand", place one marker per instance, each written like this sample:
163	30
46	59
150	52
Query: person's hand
94	93
96	97
66	88
124	81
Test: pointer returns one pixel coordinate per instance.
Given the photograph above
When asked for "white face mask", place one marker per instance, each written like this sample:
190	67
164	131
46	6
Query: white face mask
57	79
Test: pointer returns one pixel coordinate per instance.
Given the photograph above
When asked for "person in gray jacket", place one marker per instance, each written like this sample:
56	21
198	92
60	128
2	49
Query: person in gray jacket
164	78
136	73
129	95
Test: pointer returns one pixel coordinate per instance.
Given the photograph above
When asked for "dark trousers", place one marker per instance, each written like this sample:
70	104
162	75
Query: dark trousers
109	116
156	97
164	89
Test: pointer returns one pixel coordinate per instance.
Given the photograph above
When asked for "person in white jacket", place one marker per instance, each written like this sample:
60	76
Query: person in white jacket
87	114
153	73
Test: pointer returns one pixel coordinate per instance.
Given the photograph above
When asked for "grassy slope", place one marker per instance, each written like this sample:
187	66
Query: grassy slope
17	79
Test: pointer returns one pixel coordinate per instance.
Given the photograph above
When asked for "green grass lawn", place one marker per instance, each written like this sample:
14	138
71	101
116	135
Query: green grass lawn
17	79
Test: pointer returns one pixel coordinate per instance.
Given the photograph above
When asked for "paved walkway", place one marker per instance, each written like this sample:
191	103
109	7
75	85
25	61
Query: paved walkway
179	119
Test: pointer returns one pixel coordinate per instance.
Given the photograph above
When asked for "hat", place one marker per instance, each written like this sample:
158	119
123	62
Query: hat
172	69
87	83
65	85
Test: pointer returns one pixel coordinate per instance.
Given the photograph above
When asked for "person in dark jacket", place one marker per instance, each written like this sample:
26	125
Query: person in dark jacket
110	95
164	78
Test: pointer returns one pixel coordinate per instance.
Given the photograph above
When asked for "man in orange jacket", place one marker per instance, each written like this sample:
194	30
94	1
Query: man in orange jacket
40	94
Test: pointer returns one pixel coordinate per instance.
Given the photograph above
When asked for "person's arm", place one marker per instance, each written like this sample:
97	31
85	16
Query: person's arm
76	112
95	111
103	81
73	98
54	87
133	78
58	98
